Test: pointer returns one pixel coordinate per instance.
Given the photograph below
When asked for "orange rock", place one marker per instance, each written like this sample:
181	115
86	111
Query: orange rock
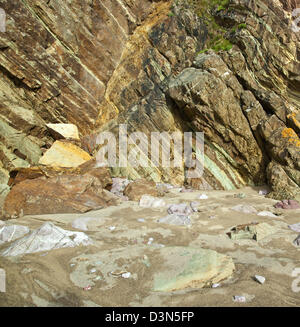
59	194
138	188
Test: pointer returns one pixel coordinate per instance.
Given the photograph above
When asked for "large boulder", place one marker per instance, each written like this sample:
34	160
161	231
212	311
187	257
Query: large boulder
46	189
90	167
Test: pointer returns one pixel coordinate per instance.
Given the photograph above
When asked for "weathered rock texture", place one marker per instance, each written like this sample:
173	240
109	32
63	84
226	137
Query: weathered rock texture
101	63
49	190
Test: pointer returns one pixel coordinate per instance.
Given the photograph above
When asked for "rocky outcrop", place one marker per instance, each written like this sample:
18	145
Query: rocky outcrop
228	69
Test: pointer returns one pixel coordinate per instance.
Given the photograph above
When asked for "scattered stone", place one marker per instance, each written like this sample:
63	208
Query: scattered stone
194	205
267	214
186	267
63	154
80	223
240	195
244	208
180	209
203	197
295	227
119	185
287	204
87	288
151	239
263	192
112	228
135	190
297	241
126	275
63	131
260	279
92	271
239	298
256	231
141	220
187	190
12	232
47	237
215	285
148	201
174	219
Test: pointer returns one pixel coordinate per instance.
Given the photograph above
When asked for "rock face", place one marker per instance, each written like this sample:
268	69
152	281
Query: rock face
157	66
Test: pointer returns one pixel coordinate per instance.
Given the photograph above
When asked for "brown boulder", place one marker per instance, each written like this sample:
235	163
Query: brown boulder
135	190
90	167
59	194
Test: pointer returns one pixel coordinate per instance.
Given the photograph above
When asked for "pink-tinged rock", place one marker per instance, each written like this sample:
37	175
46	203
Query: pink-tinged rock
287	204
180	209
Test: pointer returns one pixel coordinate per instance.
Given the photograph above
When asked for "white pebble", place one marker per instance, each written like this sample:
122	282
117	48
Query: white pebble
126	275
112	228
203	197
260	279
216	285
239	298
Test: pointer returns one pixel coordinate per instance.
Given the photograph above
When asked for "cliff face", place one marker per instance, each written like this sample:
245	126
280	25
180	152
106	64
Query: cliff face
227	68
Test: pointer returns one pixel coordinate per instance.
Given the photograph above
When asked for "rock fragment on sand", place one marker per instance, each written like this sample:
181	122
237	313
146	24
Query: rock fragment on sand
148	201
47	237
256	231
287	204
267	214
174	219
295	227
297	241
260	279
239	298
187	267
240	195
203	197
12	232
180	209
244	208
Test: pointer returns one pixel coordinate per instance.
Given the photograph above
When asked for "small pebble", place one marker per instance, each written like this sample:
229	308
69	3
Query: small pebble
239	298
216	285
93	270
112	228
203	197
260	279
87	288
126	275
141	220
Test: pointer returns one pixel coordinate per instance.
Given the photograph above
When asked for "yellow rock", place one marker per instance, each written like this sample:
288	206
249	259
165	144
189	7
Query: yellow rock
63	154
